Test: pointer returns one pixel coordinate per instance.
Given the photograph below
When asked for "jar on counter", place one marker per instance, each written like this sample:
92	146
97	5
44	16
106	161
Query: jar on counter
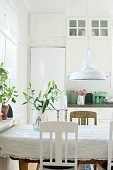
97	100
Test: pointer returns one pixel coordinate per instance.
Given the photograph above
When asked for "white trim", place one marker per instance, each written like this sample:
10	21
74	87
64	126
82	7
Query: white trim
8	36
26	3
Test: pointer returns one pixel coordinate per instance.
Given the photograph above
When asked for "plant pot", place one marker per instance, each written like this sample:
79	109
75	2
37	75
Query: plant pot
38	117
4	111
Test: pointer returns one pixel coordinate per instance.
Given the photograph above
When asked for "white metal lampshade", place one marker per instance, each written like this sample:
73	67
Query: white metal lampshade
87	72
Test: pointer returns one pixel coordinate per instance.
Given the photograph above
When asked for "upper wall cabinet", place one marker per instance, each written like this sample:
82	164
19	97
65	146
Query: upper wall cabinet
93	33
47	25
88	28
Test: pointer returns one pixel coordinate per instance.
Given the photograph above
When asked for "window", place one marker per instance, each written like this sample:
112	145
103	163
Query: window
8	55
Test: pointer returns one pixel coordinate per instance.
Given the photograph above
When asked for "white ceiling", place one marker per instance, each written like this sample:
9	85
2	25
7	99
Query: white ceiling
61	5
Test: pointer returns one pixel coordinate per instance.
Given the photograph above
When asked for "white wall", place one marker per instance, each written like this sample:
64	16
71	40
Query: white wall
17	31
19	22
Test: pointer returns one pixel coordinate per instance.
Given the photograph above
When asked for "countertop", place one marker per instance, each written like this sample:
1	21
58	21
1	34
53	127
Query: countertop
91	105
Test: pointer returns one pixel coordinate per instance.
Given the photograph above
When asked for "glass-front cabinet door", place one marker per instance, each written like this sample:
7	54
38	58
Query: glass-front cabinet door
99	27
77	27
87	27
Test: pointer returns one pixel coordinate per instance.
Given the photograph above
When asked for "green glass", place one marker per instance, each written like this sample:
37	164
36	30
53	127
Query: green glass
73	98
72	23
95	23
97	100
73	32
103	23
81	23
68	97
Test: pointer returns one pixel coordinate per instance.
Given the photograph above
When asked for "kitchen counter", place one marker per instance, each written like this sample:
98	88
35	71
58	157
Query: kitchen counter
91	105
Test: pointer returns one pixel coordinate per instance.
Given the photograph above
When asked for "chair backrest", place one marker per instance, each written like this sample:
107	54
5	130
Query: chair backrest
110	146
58	136
83	117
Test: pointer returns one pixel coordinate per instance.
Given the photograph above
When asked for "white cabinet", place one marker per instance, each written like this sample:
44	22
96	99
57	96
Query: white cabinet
104	115
47	25
92	27
47	29
93	33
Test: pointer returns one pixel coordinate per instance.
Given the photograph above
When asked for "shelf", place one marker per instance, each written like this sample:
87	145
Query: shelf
91	105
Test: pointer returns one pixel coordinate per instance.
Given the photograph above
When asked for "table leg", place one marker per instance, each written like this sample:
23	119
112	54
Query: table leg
23	165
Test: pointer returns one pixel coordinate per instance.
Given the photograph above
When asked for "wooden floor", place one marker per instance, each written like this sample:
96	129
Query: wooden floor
32	166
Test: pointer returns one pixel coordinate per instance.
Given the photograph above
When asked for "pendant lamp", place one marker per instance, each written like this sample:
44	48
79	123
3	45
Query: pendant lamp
87	72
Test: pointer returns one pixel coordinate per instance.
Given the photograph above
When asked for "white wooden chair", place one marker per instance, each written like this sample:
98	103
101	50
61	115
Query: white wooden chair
83	118
110	146
58	141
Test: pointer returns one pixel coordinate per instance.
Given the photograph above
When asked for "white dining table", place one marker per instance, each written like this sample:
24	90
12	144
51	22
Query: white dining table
23	142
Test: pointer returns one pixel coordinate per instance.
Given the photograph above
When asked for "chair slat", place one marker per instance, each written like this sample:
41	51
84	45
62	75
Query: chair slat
51	148
110	146
66	146
83	119
61	130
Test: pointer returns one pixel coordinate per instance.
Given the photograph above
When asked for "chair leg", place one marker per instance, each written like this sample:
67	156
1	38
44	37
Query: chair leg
38	166
95	167
23	165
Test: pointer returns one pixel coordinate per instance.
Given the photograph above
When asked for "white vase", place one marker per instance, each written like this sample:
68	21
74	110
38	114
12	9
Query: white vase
81	100
38	117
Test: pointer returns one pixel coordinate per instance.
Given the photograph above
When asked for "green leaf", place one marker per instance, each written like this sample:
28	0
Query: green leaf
13	100
15	95
30	85
24	103
49	83
52	106
53	83
40	93
0	99
15	91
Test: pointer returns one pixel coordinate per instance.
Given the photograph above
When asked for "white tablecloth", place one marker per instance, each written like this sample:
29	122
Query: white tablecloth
23	141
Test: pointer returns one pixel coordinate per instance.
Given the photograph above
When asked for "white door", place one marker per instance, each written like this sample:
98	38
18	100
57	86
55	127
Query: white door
47	64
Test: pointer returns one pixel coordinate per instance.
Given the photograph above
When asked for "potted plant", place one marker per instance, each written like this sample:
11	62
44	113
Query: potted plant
81	96
7	93
42	100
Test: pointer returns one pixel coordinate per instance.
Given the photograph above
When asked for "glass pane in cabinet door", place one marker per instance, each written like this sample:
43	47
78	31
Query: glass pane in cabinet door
95	23
104	32
95	32
103	23
81	23
72	32
81	32
72	23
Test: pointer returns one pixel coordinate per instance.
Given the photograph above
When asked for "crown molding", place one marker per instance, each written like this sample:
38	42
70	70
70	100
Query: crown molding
26	3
